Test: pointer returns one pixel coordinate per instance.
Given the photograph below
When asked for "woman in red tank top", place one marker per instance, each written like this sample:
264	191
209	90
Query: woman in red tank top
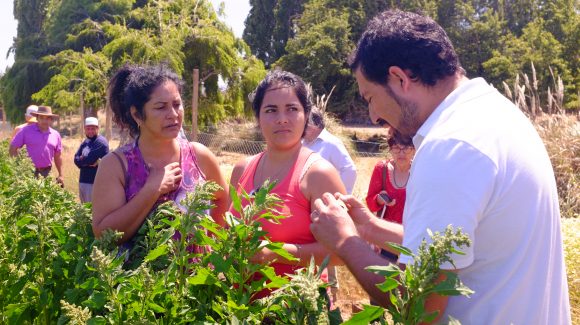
282	106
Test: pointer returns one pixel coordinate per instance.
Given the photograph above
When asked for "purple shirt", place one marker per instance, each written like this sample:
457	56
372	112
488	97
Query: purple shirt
41	146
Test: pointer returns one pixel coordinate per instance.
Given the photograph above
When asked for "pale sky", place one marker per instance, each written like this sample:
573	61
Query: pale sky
236	12
7	32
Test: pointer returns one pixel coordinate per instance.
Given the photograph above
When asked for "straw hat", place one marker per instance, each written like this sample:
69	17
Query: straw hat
44	111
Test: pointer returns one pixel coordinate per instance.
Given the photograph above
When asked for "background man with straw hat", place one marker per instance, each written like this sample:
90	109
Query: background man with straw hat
29	119
43	143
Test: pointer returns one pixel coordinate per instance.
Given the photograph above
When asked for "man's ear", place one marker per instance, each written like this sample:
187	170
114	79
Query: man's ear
399	78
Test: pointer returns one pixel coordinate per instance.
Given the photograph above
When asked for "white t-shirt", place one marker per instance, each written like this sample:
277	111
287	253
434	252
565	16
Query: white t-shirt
480	165
333	150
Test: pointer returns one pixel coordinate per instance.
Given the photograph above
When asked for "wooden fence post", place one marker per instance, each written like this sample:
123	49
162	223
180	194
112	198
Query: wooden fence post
82	114
194	104
108	122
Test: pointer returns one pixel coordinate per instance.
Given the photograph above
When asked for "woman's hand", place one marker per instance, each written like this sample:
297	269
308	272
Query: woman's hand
166	179
388	202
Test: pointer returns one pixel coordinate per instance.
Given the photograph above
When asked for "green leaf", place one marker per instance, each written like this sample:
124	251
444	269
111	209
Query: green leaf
276	281
203	276
218	261
236	201
24	220
14	311
155	307
96	301
389	271
388	285
366	316
451	286
429	317
401	249
278	249
154	254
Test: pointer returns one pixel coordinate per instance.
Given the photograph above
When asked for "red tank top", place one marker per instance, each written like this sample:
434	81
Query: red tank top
295	228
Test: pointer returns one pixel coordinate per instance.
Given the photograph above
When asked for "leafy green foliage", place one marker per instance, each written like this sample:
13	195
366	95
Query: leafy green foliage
77	74
494	39
73	47
181	267
320	48
409	288
43	240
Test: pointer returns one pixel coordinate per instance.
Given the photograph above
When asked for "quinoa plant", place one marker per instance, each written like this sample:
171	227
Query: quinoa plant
409	288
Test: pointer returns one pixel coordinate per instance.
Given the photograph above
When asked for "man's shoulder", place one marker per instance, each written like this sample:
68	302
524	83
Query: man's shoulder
28	127
102	140
54	131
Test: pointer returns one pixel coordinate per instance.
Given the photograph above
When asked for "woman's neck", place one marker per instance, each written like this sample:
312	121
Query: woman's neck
278	156
155	149
403	168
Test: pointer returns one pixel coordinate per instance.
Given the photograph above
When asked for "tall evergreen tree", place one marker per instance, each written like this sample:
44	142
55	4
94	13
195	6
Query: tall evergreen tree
29	73
81	43
269	25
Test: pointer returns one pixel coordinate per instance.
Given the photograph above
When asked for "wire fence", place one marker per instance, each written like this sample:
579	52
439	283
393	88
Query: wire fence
219	144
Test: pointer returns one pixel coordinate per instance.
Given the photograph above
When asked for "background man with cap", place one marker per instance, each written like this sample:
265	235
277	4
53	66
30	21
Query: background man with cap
88	156
29	119
43	143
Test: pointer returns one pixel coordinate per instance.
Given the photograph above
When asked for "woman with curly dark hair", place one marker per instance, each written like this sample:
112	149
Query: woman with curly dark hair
157	166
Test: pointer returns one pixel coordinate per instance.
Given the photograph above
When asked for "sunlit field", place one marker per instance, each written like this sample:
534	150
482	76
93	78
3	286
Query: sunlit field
563	147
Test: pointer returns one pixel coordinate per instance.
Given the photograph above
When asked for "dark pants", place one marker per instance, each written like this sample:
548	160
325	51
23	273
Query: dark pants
44	171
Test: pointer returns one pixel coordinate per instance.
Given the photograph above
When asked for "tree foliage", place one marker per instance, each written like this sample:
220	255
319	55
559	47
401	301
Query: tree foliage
73	47
495	39
269	26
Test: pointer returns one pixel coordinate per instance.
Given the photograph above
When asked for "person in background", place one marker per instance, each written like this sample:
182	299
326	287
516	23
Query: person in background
30	119
330	147
156	166
282	106
387	188
42	142
480	165
88	156
388	184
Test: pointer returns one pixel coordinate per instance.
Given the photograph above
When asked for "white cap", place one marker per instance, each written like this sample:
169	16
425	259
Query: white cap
31	109
91	121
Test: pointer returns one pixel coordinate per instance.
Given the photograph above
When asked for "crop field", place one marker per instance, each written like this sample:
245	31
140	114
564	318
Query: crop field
564	151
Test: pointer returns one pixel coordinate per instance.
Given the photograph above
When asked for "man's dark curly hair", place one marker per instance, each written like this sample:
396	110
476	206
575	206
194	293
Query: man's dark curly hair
406	40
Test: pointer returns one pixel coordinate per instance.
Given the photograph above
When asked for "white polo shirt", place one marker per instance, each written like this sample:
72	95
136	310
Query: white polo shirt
333	150
480	165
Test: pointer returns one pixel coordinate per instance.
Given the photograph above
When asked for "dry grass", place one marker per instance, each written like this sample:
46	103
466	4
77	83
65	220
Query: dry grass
571	234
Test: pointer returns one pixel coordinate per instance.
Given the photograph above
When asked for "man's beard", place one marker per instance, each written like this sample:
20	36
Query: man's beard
409	121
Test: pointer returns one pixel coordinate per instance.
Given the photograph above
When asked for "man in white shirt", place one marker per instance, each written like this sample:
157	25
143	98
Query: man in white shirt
331	148
479	165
